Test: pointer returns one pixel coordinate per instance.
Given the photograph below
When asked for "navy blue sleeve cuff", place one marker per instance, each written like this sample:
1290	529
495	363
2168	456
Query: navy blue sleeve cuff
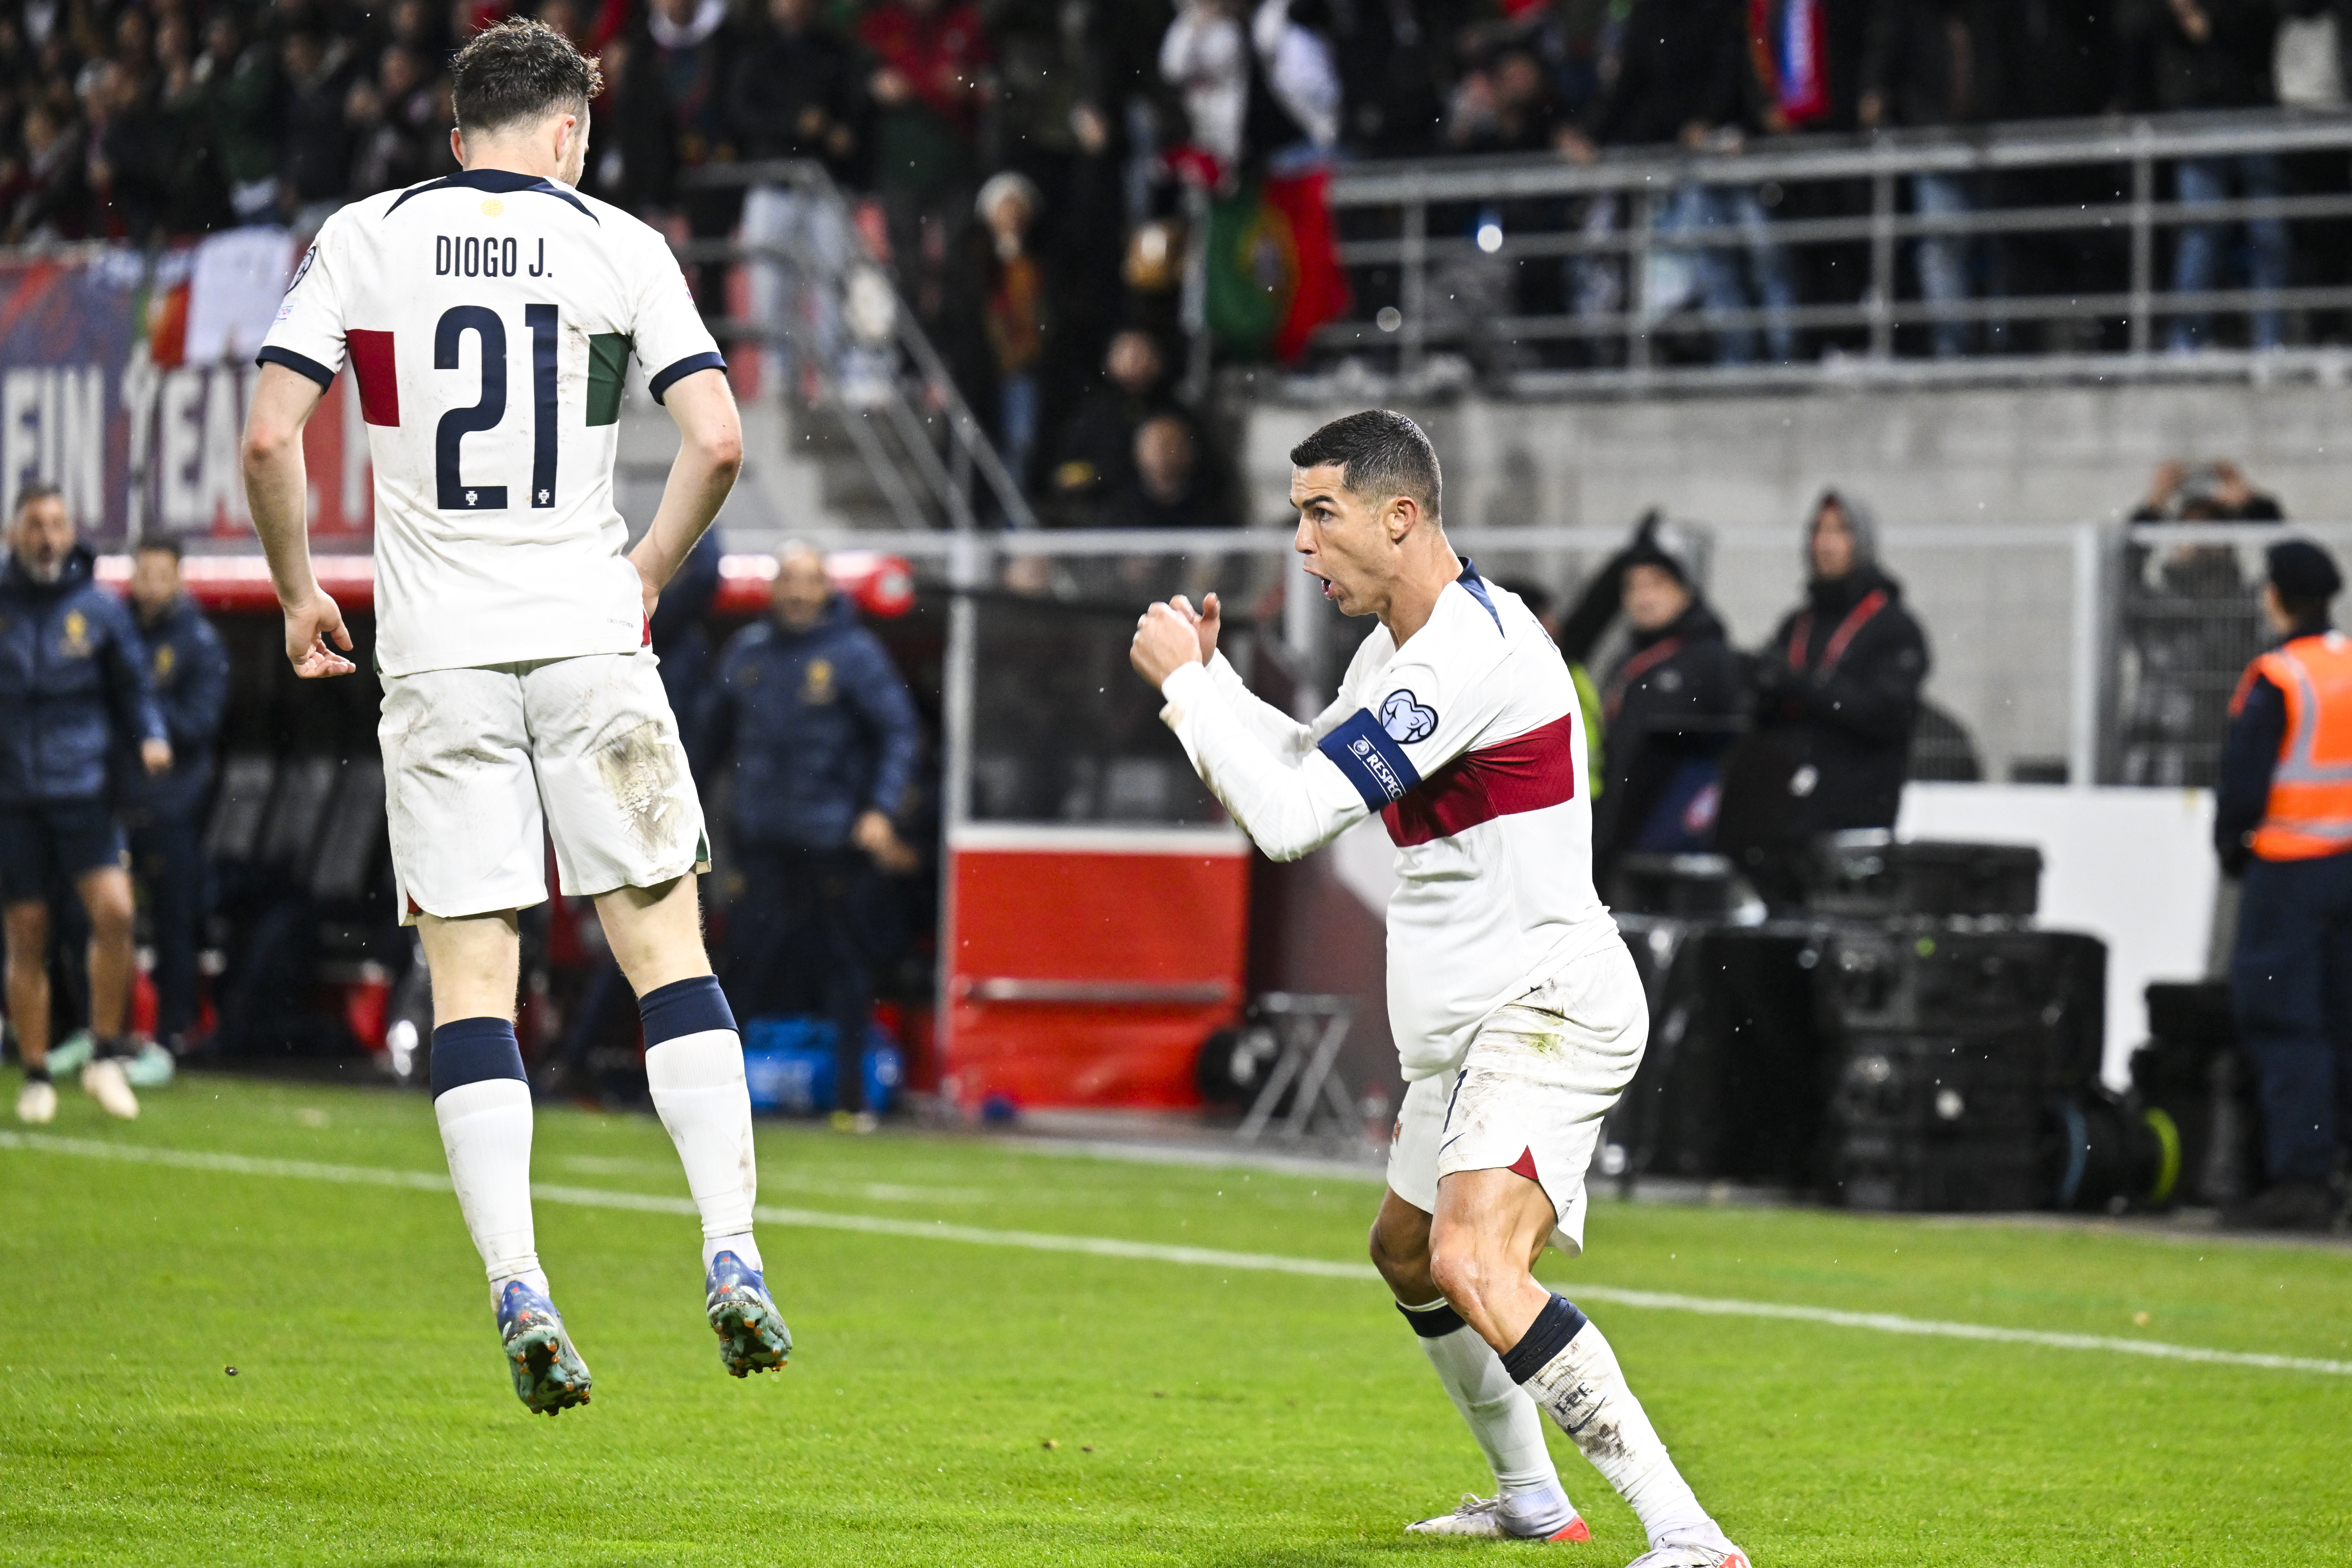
300	365
1373	763
661	383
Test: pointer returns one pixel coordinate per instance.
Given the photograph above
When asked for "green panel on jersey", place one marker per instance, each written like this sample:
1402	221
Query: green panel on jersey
608	359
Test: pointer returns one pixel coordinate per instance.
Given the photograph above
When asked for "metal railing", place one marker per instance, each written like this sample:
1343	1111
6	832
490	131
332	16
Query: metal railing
855	350
1550	274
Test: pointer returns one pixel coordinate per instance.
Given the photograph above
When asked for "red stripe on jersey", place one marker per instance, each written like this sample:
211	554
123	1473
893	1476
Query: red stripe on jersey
379	384
1527	774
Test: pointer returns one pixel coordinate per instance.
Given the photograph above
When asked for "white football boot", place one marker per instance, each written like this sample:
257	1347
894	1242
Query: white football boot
38	1103
103	1081
1707	1547
1545	1514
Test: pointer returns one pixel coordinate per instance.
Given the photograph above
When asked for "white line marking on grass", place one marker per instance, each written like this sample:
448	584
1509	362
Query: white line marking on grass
1156	1252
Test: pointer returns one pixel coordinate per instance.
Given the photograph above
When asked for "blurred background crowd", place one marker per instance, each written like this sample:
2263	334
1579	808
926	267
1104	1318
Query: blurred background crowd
1022	164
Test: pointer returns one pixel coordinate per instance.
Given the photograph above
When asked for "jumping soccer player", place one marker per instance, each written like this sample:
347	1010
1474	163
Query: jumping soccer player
1518	1015
488	317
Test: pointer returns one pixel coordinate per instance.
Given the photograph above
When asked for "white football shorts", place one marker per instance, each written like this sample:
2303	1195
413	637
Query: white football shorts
1531	1091
482	765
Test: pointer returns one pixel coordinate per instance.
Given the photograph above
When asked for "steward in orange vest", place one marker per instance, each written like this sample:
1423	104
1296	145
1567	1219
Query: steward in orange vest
2282	820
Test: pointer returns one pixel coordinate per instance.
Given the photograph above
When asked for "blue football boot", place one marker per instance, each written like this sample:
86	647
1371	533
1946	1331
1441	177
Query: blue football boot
751	1332
549	1375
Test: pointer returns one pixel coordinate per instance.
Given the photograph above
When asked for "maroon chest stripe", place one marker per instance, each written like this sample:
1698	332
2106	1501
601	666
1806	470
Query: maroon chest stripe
1528	773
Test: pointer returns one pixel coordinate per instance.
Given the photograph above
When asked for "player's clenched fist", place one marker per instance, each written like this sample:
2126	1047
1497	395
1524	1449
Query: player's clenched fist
1166	639
309	626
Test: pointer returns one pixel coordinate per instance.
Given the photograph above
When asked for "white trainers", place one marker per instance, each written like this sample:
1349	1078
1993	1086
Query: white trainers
38	1103
1544	1515
102	1080
1706	1548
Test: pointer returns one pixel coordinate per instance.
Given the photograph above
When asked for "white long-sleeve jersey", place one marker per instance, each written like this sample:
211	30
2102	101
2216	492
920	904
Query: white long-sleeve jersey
1469	744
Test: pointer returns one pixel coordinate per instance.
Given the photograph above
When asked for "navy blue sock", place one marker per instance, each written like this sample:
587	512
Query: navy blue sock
1558	1323
1433	1322
469	1050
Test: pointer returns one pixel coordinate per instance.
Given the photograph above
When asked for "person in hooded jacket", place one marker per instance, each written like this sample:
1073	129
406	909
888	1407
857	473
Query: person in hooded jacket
1671	704
824	739
1837	698
72	685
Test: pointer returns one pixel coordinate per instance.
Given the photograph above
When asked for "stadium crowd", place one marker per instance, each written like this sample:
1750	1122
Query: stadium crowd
1022	159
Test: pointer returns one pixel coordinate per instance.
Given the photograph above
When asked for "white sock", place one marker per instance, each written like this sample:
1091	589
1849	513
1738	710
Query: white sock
694	1064
1498	1412
740	1245
485	1132
1583	1387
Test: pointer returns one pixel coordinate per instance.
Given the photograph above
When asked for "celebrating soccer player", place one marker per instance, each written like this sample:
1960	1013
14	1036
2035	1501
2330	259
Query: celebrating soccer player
488	318
1519	1014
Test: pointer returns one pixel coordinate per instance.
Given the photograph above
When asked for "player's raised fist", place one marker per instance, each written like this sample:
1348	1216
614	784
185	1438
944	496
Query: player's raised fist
1205	622
1166	639
314	629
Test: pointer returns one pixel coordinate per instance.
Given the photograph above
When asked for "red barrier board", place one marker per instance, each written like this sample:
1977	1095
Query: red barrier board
1086	965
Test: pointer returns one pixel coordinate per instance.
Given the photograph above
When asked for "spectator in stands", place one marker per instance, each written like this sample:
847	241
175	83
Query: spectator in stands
824	736
236	81
2214	54
1672	703
1682	76
1206	57
1095	455
188	668
930	81
670	119
1172	484
1837	695
47	193
73	693
1938	64
315	169
2187	621
1015	310
392	124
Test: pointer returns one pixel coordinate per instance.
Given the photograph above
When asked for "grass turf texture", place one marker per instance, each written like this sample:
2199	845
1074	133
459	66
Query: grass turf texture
1249	1419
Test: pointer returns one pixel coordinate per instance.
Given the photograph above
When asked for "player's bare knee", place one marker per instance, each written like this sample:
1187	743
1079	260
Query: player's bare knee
27	928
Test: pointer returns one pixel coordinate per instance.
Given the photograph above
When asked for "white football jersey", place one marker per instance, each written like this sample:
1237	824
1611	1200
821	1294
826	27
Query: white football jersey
1469	744
488	319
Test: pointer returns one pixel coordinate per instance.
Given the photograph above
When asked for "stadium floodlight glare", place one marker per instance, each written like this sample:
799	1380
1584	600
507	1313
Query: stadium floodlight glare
1390	319
1490	233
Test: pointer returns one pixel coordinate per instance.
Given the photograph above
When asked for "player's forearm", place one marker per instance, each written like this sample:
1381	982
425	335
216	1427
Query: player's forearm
1287	811
275	491
709	456
1283	735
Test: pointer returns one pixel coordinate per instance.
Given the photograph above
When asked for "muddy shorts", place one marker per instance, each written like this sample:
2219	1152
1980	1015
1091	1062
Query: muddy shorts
482	766
1531	1093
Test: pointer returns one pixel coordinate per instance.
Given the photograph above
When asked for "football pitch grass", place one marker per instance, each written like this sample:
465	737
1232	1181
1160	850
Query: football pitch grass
975	1396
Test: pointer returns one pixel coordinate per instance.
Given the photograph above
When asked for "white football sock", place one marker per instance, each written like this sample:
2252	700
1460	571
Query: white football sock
1584	1390
694	1064
485	1132
1498	1412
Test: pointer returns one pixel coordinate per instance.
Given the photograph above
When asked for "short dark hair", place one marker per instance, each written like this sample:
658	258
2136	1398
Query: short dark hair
163	541
520	70
1380	453
35	489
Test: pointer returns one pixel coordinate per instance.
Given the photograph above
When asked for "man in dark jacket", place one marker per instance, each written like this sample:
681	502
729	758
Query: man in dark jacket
824	736
1672	704
72	685
1837	695
188	668
2279	822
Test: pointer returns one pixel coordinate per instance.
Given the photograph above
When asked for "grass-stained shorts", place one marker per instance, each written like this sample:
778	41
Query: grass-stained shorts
482	765
1532	1090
